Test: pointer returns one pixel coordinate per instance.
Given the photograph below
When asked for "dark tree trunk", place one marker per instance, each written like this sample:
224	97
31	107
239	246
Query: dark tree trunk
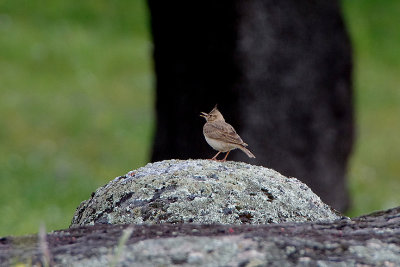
280	72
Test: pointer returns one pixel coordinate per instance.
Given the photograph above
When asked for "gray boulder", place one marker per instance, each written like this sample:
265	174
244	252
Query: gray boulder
203	192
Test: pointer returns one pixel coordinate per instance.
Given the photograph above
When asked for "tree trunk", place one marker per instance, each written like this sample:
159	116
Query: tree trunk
280	72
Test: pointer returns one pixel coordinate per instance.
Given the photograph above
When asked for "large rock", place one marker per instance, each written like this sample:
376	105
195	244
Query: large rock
204	192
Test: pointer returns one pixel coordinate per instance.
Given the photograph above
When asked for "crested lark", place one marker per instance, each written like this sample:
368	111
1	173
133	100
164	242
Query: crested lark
221	136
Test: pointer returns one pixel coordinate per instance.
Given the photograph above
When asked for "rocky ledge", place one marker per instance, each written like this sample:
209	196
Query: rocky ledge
202	192
371	240
205	213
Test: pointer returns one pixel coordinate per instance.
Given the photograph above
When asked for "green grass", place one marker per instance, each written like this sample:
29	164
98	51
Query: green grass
374	170
76	88
76	105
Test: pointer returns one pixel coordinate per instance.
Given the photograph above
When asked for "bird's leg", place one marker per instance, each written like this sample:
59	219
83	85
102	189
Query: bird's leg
215	157
227	153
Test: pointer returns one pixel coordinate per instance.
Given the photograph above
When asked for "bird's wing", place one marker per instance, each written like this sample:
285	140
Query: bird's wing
222	131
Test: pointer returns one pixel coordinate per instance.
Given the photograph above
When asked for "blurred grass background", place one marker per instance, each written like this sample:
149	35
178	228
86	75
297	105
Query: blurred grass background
76	105
375	166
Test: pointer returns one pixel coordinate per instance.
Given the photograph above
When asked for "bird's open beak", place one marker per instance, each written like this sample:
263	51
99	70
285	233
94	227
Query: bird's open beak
203	114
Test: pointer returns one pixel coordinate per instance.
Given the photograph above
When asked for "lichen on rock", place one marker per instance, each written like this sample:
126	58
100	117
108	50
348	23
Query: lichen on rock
204	192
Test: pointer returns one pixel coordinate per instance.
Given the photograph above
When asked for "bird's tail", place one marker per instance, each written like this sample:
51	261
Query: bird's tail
248	153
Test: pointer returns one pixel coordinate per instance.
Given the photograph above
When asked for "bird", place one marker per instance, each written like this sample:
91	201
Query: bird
221	135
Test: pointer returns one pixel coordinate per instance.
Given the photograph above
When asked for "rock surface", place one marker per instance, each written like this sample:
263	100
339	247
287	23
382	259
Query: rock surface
372	240
203	192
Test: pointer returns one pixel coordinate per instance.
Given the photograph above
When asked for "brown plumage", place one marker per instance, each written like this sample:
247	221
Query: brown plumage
221	135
